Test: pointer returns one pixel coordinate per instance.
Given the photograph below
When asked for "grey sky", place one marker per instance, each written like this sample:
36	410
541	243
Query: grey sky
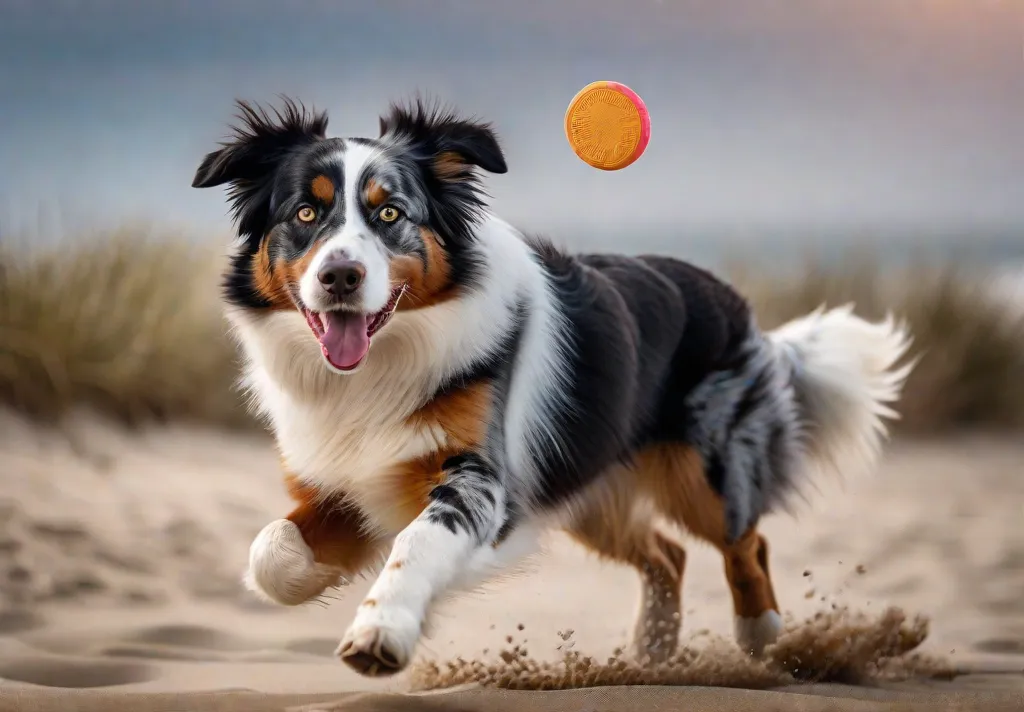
828	115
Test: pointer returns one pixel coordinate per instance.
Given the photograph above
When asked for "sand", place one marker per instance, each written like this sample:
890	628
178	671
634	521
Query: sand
121	554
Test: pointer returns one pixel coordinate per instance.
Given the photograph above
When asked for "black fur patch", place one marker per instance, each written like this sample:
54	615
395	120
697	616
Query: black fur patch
426	134
467	500
251	158
644	332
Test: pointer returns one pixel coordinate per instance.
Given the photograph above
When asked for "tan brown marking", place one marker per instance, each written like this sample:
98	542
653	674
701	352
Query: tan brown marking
674	477
267	278
450	166
276	281
429	283
395	565
746	568
463	415
375	194
323	189
369	602
409	483
331	526
297	267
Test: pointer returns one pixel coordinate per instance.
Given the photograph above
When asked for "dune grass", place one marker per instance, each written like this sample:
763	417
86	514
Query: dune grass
130	323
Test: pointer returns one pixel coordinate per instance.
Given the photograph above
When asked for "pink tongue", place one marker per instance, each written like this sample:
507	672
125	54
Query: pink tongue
345	342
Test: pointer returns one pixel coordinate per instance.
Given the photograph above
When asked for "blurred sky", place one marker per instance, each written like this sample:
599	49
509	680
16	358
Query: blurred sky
826	118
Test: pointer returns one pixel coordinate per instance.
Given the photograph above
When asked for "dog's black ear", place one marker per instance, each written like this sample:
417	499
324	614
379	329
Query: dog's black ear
259	142
248	161
449	149
456	145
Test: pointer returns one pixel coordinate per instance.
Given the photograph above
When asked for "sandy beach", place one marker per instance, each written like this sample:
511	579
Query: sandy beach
121	554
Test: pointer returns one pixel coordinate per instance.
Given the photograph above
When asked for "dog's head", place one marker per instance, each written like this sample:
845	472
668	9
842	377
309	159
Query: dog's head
346	231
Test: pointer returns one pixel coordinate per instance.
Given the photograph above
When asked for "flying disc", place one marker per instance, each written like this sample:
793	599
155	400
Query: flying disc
607	125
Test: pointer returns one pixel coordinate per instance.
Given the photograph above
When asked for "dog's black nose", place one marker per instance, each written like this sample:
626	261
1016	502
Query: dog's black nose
341	277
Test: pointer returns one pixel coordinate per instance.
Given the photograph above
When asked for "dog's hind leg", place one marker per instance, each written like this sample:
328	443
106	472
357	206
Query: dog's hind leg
609	525
674	478
757	621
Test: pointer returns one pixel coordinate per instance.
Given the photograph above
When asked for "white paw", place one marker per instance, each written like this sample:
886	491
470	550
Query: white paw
380	642
282	569
753	635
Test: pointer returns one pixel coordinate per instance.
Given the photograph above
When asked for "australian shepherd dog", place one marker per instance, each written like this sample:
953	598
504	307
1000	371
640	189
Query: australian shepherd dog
443	388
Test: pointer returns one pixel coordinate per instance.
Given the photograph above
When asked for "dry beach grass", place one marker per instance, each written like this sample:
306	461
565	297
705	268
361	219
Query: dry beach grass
127	322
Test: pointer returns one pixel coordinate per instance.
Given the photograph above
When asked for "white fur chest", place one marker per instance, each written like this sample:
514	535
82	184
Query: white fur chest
346	442
341	433
353	451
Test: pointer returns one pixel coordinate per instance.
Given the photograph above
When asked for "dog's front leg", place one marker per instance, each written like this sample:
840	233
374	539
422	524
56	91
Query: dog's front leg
320	543
429	557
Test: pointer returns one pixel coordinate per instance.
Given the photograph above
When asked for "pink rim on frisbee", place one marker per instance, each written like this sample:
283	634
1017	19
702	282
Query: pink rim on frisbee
607	125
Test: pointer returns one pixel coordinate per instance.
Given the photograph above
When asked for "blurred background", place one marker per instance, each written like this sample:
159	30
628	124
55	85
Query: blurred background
775	122
813	151
804	143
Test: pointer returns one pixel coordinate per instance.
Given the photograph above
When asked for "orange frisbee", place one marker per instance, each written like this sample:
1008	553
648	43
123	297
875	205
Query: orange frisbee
607	125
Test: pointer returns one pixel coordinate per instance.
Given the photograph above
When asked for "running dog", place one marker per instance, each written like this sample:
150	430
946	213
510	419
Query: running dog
444	388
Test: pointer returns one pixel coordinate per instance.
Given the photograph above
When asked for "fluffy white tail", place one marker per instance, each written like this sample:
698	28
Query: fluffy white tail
846	375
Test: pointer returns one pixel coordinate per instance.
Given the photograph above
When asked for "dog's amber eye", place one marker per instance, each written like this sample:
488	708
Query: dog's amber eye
389	214
306	214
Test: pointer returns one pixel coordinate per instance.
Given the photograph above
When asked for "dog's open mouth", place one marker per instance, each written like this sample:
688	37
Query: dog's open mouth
344	336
